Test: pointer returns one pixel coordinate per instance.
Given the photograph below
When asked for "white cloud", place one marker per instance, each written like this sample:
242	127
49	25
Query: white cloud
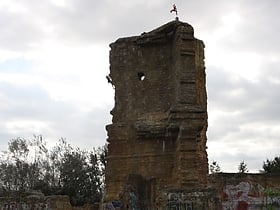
59	3
20	126
74	73
7	55
12	6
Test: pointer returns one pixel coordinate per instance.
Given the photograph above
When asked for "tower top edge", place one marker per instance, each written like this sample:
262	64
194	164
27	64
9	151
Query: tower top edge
167	28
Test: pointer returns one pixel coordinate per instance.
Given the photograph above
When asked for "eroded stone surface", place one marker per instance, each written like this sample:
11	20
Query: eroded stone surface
160	114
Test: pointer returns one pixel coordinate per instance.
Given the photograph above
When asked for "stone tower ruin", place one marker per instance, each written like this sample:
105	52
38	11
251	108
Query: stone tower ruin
157	139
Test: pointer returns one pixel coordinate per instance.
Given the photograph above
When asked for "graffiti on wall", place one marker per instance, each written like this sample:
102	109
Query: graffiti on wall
115	205
23	206
189	200
177	201
247	196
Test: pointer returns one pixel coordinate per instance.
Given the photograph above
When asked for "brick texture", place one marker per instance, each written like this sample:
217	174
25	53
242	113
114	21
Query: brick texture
159	121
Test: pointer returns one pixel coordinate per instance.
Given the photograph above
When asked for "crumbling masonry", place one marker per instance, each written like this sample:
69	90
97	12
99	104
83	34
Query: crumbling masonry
157	141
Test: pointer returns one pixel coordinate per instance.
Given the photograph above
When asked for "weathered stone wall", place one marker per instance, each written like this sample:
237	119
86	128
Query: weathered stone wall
226	191
37	201
160	114
237	191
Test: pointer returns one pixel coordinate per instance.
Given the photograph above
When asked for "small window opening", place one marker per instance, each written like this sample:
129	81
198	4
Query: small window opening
141	76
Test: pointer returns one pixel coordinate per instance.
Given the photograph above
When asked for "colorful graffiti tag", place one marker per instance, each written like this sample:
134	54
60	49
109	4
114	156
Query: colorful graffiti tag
247	196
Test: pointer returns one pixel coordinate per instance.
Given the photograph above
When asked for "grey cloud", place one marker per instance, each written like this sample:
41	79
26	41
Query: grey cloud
91	21
230	162
28	101
63	119
106	21
18	31
249	131
255	100
259	30
90	125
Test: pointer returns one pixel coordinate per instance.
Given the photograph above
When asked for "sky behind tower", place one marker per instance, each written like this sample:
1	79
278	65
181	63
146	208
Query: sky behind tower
54	56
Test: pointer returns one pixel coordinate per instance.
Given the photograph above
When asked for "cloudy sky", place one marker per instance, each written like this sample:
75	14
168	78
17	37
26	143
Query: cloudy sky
54	59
